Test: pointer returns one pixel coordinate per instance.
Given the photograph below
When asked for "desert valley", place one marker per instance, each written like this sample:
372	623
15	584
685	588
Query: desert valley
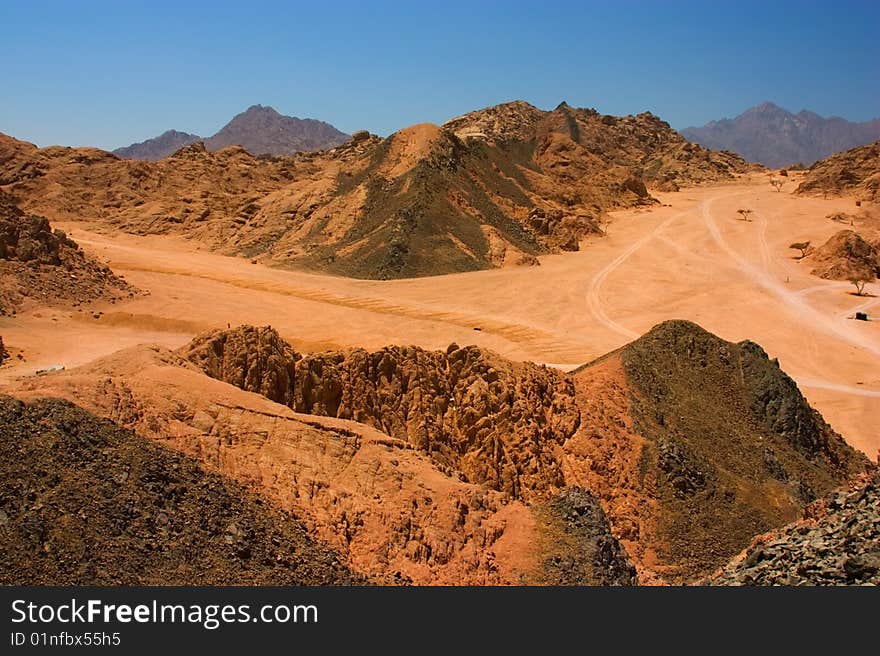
521	347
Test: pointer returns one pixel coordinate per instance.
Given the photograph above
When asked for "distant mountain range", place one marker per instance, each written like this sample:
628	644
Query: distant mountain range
259	130
775	137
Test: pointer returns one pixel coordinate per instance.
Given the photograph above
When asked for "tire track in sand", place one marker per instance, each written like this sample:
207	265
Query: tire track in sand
593	295
795	302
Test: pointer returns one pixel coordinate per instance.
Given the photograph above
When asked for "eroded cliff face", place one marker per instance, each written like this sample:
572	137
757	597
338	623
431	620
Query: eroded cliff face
252	359
495	422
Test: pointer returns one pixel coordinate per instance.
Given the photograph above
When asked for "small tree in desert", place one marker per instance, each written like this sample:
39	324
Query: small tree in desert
802	246
776	183
860	281
744	214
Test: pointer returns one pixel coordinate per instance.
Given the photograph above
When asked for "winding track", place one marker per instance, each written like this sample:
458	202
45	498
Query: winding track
762	276
593	295
795	302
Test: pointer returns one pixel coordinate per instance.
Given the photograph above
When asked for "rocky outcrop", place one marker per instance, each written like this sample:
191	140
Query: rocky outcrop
30	238
496	422
84	502
844	256
836	543
253	359
4	354
855	172
581	549
43	264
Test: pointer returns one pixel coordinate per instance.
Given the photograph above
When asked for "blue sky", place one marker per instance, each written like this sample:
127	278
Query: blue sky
85	72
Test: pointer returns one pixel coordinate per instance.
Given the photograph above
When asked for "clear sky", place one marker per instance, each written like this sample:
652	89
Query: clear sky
109	73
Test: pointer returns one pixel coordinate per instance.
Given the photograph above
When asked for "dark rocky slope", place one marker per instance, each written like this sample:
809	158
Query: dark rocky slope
732	447
84	502
694	445
837	543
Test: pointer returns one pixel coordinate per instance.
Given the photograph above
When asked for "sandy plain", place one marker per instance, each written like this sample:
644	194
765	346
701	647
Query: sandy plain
691	257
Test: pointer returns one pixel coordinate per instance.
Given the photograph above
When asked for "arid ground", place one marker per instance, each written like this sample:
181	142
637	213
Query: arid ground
690	258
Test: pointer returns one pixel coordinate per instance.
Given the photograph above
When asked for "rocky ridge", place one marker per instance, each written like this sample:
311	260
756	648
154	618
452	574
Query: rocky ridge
777	138
259	130
424	201
156	148
694	445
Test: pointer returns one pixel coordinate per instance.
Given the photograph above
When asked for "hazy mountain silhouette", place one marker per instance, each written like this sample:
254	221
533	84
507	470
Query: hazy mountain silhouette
259	130
775	137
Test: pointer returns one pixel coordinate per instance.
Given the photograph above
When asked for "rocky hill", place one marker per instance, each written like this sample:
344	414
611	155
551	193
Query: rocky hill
159	147
777	138
581	146
727	447
854	172
836	543
845	255
84	502
259	130
684	489
427	200
45	265
387	508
